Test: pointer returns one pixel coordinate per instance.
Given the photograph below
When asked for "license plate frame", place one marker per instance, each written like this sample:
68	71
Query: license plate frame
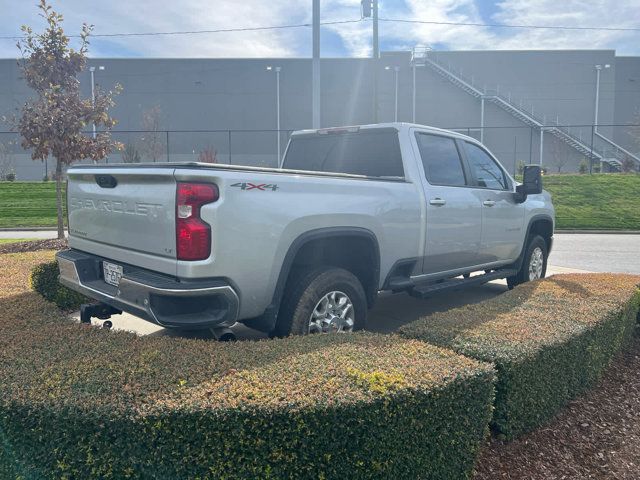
112	273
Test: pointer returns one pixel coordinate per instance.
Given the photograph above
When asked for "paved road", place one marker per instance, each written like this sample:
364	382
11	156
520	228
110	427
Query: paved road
592	252
597	252
571	253
389	313
39	234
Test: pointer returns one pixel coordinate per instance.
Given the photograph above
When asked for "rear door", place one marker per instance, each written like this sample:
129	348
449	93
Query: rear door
127	214
454	225
502	216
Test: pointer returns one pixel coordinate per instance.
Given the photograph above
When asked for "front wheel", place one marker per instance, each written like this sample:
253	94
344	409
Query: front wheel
324	300
534	264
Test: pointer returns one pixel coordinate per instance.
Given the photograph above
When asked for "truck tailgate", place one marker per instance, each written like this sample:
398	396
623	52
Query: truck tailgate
132	209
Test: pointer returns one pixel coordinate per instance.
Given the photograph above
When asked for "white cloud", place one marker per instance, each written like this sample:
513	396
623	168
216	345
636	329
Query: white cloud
162	15
604	13
152	16
609	13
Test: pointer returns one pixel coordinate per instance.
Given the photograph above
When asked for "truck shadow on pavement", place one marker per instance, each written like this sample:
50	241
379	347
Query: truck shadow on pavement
389	313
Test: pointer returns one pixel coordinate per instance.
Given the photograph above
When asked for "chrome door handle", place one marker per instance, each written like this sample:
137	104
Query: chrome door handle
437	201
488	203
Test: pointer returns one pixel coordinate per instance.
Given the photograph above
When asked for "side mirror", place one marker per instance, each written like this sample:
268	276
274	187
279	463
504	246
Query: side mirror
531	182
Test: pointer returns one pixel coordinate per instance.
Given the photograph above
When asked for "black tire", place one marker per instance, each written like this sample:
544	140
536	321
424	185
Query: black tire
302	296
522	276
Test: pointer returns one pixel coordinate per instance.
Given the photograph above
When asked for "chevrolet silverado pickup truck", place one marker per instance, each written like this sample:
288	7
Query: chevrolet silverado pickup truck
305	247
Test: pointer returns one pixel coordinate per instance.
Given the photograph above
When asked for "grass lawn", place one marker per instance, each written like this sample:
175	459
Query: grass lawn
606	201
27	204
14	240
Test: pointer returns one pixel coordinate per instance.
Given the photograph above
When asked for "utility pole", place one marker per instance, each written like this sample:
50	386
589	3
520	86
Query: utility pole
315	67
370	10
376	56
376	44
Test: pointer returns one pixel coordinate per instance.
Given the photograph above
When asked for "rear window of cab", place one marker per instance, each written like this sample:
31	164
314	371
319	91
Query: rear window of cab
373	153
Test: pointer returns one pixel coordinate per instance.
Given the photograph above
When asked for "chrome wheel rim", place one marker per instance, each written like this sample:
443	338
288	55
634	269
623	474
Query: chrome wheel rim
536	263
332	314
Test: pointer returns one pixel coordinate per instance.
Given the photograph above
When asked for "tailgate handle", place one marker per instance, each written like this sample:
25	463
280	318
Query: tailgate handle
106	181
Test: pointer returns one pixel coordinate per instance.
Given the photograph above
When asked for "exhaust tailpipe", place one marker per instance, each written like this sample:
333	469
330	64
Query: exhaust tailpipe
223	334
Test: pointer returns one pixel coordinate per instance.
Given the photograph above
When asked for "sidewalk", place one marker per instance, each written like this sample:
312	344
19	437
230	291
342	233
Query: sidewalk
29	233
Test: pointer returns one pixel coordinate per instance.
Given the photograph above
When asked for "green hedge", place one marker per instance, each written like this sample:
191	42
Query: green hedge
549	340
84	403
44	280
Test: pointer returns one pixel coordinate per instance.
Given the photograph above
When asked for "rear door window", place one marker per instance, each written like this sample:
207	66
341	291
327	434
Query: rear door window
373	153
485	170
441	160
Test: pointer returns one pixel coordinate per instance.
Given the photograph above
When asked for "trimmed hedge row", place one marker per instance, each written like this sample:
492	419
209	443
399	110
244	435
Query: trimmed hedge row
549	340
44	280
80	402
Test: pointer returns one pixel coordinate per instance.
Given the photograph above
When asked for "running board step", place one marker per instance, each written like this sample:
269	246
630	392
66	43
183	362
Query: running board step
425	291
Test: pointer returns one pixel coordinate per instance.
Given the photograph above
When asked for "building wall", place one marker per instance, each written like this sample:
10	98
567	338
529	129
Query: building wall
627	103
197	96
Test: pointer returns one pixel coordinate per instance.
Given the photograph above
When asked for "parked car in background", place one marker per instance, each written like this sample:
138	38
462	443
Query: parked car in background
304	248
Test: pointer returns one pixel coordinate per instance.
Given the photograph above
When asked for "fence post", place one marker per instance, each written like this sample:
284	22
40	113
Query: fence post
229	133
530	145
591	156
167	146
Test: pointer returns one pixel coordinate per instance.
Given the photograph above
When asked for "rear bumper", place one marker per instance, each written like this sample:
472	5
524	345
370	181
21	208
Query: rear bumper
158	298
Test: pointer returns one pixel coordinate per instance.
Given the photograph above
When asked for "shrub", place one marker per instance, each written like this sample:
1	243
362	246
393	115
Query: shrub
583	167
549	340
130	154
44	280
81	402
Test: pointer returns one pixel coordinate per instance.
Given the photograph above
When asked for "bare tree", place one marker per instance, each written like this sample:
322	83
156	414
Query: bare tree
153	142
53	122
208	155
559	156
6	159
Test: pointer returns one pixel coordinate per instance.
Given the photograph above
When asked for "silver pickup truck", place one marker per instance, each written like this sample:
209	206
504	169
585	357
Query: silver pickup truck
307	247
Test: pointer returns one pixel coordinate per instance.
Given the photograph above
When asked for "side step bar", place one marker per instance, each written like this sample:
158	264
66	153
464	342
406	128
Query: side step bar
426	291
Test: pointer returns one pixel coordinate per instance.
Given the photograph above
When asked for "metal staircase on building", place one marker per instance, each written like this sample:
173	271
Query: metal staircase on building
599	148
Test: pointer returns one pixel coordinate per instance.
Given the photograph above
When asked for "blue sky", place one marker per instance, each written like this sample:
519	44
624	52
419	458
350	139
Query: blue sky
354	39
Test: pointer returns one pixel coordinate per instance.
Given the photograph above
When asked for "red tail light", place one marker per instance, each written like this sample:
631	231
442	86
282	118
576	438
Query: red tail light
193	235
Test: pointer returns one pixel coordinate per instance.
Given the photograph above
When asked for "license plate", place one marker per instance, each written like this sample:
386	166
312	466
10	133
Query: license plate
112	273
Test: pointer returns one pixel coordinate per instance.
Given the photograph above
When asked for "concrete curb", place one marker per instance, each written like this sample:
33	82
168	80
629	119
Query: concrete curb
30	229
585	231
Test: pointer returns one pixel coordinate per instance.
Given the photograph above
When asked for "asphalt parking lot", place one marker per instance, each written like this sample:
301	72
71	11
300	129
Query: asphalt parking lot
597	252
571	253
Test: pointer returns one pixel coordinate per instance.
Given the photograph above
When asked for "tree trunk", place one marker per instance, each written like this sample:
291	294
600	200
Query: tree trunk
59	199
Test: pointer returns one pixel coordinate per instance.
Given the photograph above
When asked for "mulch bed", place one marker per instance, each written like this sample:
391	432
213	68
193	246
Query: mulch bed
597	436
33	246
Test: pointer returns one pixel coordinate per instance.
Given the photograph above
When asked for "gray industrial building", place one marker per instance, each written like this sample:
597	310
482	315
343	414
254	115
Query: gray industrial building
227	108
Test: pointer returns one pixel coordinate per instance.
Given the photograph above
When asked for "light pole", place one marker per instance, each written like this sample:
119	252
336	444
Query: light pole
413	97
93	94
277	69
595	119
396	69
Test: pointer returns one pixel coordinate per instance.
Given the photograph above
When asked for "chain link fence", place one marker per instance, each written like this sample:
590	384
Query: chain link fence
559	148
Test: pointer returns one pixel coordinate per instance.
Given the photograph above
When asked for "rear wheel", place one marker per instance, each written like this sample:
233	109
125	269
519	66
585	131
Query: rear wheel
534	264
322	300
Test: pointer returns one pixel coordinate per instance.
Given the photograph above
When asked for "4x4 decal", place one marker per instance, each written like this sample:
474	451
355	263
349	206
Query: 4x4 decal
256	186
